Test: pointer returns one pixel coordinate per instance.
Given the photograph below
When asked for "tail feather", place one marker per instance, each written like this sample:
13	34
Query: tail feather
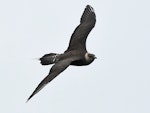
48	58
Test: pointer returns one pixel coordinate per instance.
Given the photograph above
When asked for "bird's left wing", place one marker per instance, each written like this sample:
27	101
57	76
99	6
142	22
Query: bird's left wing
55	70
79	36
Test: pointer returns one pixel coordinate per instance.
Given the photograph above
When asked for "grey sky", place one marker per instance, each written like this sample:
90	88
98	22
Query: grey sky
116	82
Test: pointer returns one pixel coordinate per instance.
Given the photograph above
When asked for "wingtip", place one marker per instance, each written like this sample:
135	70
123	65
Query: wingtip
90	7
29	98
88	15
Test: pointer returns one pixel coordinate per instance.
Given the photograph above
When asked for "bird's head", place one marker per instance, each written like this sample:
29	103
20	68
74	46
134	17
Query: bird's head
90	57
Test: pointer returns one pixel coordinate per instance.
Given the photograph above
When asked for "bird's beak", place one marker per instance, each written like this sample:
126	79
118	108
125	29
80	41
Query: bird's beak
95	57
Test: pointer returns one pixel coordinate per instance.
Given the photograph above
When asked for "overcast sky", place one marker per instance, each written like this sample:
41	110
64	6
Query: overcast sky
117	82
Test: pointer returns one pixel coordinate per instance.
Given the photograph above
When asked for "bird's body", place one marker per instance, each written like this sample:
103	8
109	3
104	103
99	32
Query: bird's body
76	53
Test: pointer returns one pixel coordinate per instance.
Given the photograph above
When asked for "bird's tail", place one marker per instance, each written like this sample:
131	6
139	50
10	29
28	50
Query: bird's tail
49	58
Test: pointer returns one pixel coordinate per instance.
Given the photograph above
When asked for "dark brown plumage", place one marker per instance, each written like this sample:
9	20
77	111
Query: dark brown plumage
76	53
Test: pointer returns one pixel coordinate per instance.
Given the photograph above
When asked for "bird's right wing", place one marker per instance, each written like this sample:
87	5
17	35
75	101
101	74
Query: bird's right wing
87	22
55	70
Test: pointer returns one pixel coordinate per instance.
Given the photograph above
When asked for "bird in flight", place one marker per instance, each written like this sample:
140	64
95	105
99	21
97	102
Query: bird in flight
76	53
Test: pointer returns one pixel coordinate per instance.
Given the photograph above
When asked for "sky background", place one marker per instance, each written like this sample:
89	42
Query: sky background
117	82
